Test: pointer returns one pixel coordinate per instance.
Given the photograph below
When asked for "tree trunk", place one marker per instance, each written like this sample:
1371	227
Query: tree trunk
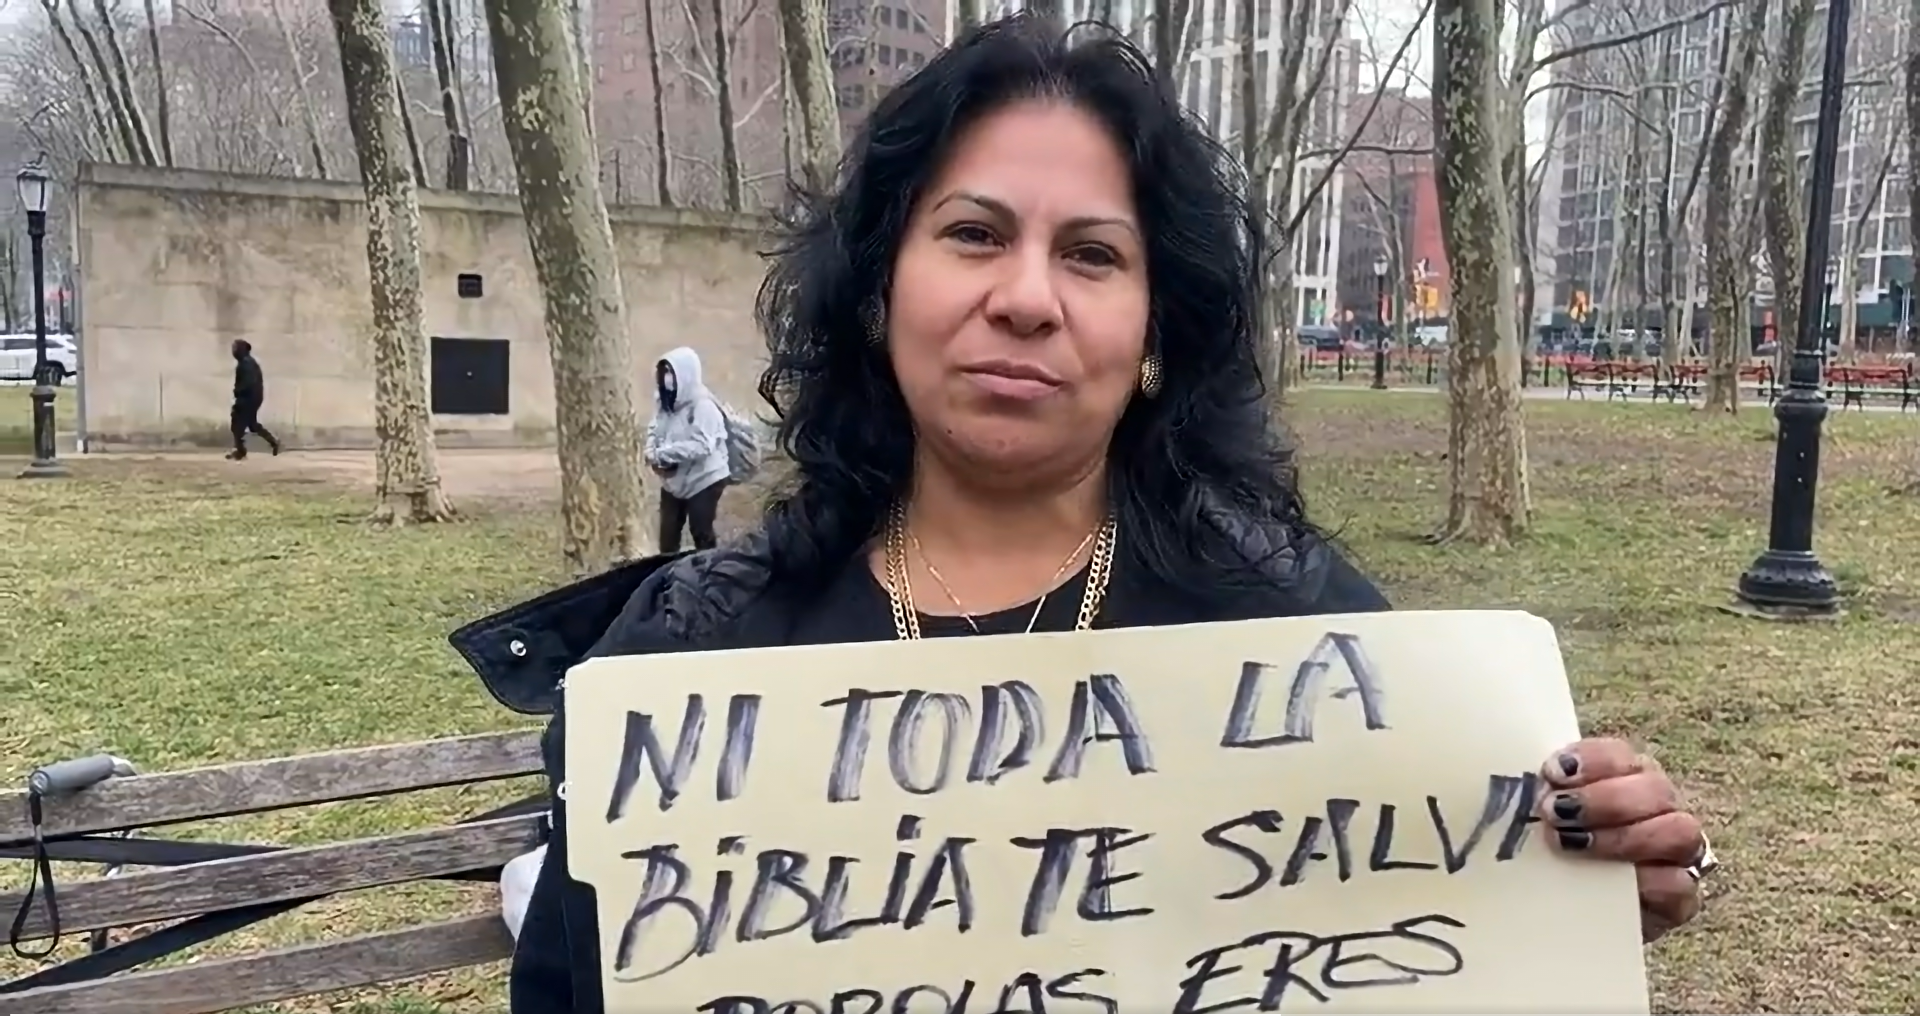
163	104
663	180
9	280
1727	254
1047	10
123	80
804	42
316	147
117	110
1782	208
1912	127
1248	97
97	112
407	475
1170	37
602	516
578	18
967	16
1487	449
724	107
460	155
414	161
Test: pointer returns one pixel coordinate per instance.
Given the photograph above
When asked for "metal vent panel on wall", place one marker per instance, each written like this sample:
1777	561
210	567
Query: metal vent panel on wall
468	376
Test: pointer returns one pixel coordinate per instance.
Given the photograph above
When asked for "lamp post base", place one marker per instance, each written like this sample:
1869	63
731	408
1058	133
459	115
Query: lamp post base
1788	585
46	463
44	469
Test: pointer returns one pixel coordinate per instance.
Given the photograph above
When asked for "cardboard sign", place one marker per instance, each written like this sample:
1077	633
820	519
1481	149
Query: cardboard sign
1327	814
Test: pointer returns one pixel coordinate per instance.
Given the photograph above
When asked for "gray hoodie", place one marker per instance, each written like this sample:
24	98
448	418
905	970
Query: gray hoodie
692	436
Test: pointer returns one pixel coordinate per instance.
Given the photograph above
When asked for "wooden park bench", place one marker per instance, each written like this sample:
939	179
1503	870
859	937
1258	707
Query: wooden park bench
169	895
1614	379
1859	384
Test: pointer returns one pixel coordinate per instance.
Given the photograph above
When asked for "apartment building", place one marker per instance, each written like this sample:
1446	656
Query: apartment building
1598	242
657	72
1209	83
1391	212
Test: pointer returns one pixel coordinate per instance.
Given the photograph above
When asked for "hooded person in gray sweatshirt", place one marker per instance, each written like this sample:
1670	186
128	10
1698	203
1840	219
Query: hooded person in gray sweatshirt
687	449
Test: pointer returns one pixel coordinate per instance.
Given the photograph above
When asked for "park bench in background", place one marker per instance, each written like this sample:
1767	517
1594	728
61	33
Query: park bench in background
1857	384
1615	379
181	893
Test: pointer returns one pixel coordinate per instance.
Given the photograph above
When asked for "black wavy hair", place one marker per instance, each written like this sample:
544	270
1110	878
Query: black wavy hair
1191	470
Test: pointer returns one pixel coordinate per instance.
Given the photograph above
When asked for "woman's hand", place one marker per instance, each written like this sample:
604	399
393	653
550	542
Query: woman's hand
1603	800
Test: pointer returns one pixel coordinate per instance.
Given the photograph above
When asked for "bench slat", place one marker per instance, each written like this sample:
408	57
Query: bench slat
242	788
216	985
195	889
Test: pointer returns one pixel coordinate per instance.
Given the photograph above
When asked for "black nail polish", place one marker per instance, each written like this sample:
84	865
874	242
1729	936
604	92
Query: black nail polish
1567	807
1569	764
1575	839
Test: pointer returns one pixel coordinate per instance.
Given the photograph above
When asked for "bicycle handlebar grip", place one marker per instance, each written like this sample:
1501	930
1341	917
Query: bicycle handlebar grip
72	775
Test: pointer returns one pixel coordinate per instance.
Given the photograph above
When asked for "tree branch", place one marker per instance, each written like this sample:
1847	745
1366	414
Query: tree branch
1610	42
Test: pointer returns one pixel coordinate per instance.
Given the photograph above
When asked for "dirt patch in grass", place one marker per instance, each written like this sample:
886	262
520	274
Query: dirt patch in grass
183	611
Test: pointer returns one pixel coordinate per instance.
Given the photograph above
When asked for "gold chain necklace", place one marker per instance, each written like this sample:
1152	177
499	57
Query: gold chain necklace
1066	563
907	622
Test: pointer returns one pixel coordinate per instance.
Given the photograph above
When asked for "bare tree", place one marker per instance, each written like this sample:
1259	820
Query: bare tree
1728	291
1275	153
703	53
1047	10
967	16
1487	445
1879	153
163	103
573	246
316	148
1912	120
1782	207
723	57
440	32
804	44
407	475
663	172
122	81
106	122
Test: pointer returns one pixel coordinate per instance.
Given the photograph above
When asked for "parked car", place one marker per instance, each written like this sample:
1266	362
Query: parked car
17	357
1321	338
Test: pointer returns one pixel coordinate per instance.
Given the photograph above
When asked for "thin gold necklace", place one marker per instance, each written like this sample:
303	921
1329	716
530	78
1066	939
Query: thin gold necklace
907	622
1066	562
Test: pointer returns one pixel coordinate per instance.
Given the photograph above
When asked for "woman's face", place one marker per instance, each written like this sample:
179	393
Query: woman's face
1019	312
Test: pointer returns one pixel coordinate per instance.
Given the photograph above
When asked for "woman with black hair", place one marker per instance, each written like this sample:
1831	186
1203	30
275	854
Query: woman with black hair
1015	365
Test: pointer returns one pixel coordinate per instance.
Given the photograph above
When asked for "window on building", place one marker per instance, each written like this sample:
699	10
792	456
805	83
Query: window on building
630	23
627	60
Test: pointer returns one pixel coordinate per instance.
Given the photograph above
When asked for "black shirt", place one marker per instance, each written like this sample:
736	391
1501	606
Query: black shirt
855	608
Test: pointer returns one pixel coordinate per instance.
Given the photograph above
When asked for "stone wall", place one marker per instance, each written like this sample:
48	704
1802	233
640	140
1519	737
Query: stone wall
174	265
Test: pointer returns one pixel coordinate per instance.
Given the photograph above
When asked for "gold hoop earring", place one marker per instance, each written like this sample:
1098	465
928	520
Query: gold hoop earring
1151	375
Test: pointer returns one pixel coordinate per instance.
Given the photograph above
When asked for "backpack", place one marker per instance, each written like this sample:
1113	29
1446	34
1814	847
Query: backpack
743	446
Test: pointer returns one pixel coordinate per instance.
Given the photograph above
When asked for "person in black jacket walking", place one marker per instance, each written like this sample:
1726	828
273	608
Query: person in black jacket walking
250	391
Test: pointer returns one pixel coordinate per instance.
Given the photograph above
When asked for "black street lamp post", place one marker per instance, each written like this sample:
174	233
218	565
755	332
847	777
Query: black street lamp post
1828	297
1381	316
33	185
1787	580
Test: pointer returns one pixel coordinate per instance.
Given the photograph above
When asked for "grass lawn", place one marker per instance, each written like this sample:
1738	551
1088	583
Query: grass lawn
16	415
178	618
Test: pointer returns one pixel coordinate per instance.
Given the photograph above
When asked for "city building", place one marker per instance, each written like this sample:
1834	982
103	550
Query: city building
872	45
1390	212
1599	240
1208	84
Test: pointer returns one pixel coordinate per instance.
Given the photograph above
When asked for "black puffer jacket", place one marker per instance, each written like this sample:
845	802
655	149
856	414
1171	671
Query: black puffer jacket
721	599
